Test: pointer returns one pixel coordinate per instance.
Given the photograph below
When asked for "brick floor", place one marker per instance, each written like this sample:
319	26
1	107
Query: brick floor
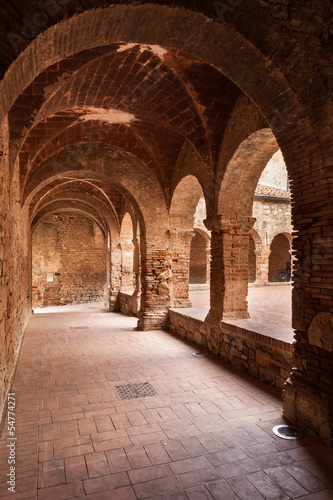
207	434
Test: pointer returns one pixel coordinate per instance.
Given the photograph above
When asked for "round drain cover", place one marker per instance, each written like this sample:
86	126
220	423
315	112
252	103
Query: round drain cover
286	432
199	354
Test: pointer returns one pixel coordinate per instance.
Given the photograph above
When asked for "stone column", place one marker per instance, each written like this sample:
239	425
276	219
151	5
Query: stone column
262	263
229	267
155	288
180	252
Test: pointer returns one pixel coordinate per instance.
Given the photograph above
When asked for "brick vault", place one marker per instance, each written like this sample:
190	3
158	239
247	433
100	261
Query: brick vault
119	118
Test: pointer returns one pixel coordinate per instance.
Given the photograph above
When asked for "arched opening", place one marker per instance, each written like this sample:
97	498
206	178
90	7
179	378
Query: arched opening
198	259
68	260
279	259
50	100
127	254
252	260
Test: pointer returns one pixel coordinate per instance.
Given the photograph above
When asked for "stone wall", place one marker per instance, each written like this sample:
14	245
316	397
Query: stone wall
263	357
69	251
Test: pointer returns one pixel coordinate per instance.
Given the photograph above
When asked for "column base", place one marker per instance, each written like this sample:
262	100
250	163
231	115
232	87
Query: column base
307	407
152	321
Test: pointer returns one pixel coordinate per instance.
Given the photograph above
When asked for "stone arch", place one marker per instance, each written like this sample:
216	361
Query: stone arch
279	258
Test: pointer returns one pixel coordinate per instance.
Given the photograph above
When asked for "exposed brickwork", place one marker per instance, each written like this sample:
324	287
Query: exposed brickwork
72	249
110	100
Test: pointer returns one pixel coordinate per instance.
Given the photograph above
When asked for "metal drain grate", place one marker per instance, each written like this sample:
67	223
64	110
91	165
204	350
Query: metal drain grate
136	390
78	327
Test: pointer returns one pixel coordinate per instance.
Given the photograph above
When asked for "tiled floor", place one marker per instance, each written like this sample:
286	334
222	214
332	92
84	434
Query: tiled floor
206	434
269	309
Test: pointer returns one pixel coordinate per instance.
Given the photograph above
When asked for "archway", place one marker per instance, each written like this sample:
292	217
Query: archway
257	75
252	260
68	260
127	253
279	258
198	259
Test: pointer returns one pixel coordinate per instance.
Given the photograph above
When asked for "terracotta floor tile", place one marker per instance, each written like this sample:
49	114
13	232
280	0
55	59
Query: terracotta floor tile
220	490
206	434
76	469
166	485
137	457
190	464
198	493
199	477
156	453
266	487
97	464
149	473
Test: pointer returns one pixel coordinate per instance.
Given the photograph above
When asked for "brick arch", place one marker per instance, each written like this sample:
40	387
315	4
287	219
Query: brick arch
285	233
101	211
62	206
280	254
96	195
84	133
184	202
126	228
258	78
107	165
257	238
244	170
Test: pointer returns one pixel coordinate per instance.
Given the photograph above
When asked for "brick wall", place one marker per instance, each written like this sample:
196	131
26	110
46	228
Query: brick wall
72	246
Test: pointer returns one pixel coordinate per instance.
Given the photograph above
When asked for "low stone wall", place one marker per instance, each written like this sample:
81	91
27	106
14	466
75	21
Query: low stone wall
263	357
126	303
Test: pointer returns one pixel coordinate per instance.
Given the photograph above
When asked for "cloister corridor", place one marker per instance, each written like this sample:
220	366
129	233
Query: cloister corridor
206	433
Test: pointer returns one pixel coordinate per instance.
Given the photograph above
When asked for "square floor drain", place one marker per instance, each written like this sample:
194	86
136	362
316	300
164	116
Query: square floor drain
136	390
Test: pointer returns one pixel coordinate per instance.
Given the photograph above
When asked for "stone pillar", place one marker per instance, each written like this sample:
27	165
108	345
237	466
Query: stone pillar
127	249
155	288
229	267
180	252
262	263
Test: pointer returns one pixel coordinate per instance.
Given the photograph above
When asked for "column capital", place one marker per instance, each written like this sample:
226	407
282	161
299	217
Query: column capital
228	224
